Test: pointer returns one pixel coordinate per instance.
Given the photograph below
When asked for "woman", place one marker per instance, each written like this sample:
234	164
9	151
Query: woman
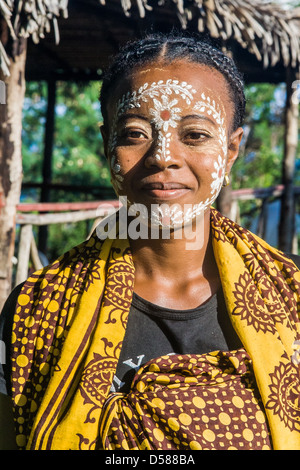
184	332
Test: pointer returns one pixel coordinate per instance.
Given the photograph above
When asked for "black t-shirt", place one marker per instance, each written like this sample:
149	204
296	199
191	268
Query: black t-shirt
154	331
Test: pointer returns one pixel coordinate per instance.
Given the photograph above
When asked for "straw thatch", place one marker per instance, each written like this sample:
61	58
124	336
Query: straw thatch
266	30
30	18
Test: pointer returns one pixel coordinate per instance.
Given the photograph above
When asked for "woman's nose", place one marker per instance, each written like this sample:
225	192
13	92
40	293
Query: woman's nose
163	153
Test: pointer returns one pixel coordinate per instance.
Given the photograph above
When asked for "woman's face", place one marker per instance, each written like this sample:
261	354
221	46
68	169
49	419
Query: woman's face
169	139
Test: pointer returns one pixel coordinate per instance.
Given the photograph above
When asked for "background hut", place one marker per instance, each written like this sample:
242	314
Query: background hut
55	40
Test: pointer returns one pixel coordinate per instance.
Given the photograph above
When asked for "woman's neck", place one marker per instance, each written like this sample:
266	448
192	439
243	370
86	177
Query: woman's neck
176	271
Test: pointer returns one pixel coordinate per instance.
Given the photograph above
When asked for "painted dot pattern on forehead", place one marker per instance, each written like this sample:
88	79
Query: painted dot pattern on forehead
166	98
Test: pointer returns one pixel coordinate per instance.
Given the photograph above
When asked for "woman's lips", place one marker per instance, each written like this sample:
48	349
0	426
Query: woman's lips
159	190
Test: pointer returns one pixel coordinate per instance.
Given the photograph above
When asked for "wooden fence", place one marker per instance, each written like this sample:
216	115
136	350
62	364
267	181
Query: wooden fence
39	214
30	215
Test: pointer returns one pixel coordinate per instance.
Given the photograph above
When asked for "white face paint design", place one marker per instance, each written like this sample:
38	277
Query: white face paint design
166	112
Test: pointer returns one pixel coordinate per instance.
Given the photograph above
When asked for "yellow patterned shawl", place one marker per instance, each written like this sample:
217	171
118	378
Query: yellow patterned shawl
71	318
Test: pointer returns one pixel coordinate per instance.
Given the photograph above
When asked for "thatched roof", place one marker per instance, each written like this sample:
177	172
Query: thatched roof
269	33
265	29
30	18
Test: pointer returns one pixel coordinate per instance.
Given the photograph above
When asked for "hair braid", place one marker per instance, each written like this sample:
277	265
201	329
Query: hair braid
172	47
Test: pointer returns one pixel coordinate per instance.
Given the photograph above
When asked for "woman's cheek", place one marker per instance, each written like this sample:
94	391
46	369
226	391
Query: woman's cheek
211	169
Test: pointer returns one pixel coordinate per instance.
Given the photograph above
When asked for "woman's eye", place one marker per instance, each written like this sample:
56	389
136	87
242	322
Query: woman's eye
196	136
134	134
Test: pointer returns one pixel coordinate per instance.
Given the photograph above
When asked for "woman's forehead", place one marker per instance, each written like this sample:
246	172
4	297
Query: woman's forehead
186	82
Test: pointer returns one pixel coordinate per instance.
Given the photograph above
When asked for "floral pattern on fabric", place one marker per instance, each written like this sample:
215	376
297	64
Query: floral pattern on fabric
255	308
284	399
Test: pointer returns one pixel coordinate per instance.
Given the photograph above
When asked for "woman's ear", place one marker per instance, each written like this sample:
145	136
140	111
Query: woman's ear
104	134
233	147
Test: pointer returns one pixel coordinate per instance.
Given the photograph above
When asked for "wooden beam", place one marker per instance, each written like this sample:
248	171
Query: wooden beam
287	216
47	161
224	201
66	206
64	217
48	141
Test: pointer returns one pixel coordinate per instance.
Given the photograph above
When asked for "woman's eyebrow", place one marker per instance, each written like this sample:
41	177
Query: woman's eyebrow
200	117
125	117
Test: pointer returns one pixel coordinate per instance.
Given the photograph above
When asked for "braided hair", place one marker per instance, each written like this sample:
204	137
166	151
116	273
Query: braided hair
172	47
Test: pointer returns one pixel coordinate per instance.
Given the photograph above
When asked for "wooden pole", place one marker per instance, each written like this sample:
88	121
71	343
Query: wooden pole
48	157
224	201
287	216
10	153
